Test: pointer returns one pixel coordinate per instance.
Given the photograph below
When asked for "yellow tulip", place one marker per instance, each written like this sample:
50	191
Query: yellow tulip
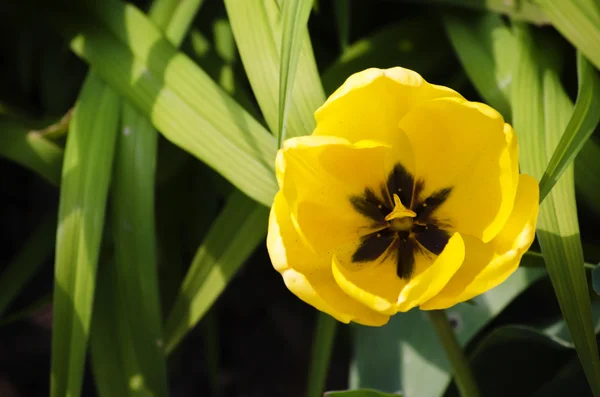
406	195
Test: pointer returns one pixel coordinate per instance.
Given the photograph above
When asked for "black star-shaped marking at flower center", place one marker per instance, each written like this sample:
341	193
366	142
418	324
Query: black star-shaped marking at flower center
404	237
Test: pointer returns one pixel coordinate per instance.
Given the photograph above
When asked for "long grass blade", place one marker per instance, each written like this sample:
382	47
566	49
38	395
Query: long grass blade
342	19
584	120
295	17
579	22
84	188
238	230
257	28
26	263
320	354
133	282
587	175
397	44
481	43
24	144
541	111
112	343
517	10
181	101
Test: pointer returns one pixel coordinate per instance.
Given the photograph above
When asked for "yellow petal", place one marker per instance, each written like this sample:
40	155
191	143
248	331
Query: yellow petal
487	265
374	284
432	274
370	104
319	176
309	276
465	146
377	285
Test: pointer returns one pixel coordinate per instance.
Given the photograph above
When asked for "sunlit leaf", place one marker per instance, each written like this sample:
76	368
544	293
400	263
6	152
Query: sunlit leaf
181	101
579	22
257	27
582	124
84	187
21	142
542	108
481	43
295	15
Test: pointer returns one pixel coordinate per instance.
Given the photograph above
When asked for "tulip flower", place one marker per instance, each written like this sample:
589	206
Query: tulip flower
405	195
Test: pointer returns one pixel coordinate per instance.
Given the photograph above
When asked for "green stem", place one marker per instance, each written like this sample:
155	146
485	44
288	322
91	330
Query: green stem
460	367
321	353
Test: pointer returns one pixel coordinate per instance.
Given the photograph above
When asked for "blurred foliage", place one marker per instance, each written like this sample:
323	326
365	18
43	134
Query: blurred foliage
137	144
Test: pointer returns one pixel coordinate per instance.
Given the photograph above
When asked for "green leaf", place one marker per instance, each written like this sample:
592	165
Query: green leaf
22	142
342	19
542	108
582	124
182	102
26	263
559	329
405	355
361	393
528	359
320	354
568	381
401	44
116	367
516	9
28	311
481	43
235	234
596	279
579	22
295	17
133	282
84	187
257	28
587	175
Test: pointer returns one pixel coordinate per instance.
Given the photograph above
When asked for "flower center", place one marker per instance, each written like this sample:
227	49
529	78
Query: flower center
401	224
401	218
402	231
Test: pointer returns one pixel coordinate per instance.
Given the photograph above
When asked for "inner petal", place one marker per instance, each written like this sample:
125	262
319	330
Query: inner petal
398	281
373	246
431	237
401	182
320	176
467	147
406	250
374	284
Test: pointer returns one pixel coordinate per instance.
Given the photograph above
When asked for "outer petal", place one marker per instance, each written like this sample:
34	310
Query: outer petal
468	147
319	175
432	274
371	103
377	286
487	265
309	276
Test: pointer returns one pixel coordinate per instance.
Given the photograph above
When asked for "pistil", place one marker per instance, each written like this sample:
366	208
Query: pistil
401	218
